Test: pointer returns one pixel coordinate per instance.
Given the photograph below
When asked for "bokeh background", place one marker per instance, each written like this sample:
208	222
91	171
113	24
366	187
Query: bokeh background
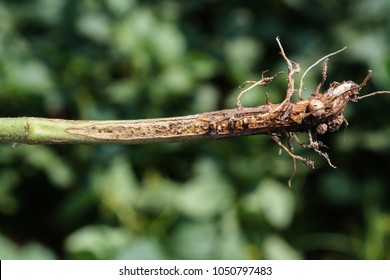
227	199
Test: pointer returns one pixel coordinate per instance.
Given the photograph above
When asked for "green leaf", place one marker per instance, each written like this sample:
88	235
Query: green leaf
95	25
117	183
96	241
28	76
142	249
275	201
194	241
29	251
275	248
207	194
231	242
44	158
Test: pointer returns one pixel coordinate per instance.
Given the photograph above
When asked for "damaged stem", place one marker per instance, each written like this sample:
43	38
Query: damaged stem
321	113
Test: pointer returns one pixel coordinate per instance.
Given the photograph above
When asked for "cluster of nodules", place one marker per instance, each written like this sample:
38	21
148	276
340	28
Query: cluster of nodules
331	125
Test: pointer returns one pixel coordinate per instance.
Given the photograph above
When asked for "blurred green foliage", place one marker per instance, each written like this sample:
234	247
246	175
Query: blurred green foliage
228	199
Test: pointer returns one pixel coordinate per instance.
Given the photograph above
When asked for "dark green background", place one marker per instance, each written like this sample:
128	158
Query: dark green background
228	199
